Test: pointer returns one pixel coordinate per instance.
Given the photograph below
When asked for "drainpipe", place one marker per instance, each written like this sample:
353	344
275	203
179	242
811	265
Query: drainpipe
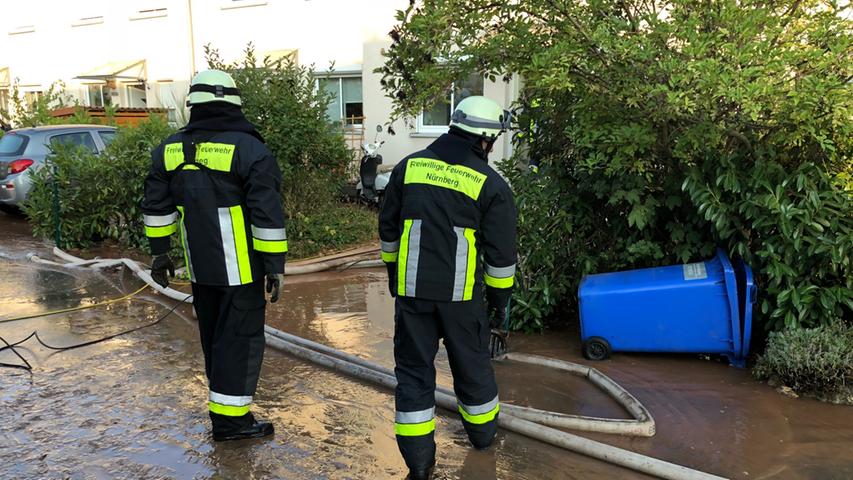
510	95
192	37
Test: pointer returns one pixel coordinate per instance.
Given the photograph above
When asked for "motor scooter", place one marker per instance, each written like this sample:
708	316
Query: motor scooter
372	178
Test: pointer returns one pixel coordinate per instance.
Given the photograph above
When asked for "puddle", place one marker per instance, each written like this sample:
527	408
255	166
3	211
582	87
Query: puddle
134	407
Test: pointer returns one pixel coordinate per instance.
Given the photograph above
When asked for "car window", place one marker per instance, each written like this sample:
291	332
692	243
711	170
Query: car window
107	136
82	139
13	144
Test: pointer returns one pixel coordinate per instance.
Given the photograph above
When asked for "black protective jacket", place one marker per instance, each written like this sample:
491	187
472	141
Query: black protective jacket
448	224
221	192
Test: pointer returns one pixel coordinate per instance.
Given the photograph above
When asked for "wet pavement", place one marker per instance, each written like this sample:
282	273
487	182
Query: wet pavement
134	407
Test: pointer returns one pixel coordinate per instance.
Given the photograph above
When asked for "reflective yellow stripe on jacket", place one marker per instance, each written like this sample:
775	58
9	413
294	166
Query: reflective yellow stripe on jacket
500	277
407	262
269	240
235	246
157	226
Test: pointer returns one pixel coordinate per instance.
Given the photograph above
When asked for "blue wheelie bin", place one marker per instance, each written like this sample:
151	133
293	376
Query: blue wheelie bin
693	308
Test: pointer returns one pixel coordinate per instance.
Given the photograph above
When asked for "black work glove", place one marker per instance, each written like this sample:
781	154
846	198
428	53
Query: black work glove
498	316
274	283
498	343
160	267
498	320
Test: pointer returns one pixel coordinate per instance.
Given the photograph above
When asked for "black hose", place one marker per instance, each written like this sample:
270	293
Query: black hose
28	367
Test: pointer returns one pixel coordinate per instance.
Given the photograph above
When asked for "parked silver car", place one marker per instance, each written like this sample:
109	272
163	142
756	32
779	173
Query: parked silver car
23	151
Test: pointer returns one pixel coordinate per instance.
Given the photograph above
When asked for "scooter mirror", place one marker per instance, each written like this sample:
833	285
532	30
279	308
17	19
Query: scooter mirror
379	129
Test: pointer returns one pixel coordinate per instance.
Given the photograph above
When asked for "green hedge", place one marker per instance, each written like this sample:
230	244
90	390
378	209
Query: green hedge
99	196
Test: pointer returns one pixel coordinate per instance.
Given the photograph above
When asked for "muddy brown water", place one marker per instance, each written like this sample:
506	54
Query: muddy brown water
134	407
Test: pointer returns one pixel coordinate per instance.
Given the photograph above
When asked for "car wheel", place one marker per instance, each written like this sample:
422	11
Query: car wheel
10	209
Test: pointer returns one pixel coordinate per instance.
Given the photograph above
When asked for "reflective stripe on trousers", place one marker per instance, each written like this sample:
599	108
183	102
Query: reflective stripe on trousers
415	424
229	405
480	414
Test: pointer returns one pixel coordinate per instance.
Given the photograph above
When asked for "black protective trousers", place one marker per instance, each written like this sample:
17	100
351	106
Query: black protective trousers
231	324
464	326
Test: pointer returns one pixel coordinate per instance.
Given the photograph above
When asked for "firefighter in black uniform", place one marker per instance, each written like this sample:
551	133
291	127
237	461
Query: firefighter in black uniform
448	234
217	185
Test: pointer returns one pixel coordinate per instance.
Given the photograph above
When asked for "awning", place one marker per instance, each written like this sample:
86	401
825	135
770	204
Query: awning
4	77
119	70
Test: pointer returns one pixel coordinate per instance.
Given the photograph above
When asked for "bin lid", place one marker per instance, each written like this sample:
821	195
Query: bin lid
748	294
734	308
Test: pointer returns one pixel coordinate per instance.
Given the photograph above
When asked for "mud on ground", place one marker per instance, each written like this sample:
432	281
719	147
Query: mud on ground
134	407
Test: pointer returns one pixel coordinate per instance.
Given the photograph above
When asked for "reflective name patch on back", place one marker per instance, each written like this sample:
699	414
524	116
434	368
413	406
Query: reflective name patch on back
215	156
428	171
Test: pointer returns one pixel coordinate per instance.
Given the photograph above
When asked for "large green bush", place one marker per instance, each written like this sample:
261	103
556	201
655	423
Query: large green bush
99	195
809	360
665	129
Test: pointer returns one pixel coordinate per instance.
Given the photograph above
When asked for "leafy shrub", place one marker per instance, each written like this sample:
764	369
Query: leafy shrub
664	130
810	360
281	99
99	195
324	230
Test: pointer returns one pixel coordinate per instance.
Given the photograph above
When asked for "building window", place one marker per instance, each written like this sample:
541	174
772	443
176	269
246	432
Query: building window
31	97
88	21
136	96
160	12
346	105
4	100
99	95
22	29
436	119
233	4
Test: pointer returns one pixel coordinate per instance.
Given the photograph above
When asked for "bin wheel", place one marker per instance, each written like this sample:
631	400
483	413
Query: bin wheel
597	348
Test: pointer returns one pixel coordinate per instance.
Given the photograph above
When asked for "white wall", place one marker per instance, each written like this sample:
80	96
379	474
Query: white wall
350	33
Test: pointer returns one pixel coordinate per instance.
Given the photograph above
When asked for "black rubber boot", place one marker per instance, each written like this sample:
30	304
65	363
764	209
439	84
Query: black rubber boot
421	474
256	430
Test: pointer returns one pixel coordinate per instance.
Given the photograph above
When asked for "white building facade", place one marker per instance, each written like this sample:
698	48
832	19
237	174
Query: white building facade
142	53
